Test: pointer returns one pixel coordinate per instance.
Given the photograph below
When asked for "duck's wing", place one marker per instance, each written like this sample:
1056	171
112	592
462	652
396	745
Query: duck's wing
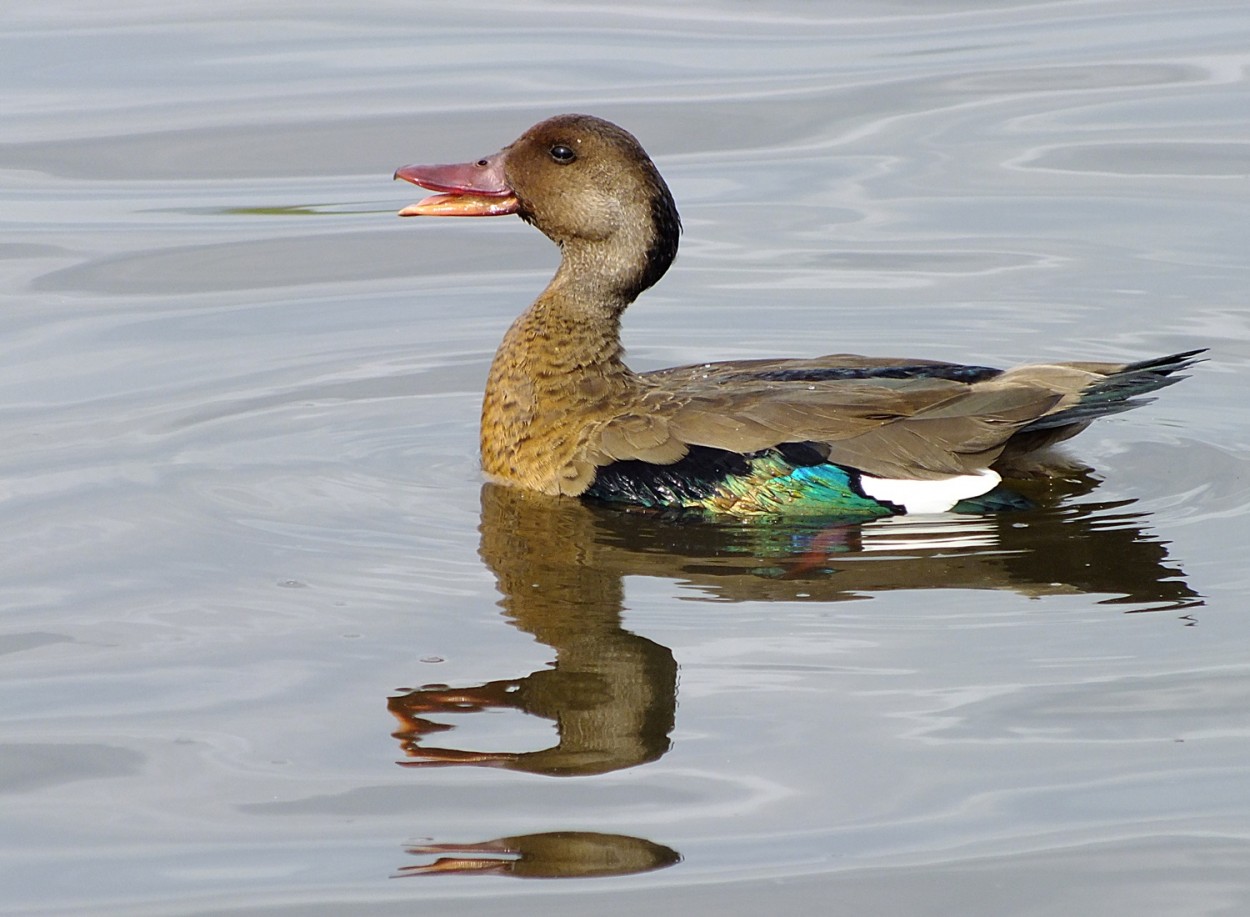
896	428
893	419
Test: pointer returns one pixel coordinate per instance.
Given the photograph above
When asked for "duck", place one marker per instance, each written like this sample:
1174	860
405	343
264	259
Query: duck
840	435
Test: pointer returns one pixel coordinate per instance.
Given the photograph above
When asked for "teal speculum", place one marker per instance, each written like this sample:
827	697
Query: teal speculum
787	481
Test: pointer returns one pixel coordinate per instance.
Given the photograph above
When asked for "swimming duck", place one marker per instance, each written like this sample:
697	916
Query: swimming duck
839	435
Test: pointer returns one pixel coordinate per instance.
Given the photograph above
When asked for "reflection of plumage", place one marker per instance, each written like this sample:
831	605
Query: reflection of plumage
611	693
839	435
551	855
561	564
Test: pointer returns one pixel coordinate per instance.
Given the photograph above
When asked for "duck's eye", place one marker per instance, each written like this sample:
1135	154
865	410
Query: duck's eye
562	154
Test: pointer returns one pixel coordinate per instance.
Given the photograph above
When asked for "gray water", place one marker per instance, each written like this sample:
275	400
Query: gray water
250	574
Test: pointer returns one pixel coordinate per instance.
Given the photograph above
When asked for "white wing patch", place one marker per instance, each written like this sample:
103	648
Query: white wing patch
929	496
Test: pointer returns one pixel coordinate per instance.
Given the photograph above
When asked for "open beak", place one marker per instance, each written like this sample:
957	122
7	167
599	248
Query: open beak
470	189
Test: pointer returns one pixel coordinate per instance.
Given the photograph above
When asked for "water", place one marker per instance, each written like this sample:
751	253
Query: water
250	573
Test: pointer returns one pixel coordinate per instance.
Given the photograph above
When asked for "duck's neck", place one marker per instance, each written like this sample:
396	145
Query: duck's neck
559	373
559	368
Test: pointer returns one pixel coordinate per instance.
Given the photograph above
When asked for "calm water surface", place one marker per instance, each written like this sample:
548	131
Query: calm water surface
270	647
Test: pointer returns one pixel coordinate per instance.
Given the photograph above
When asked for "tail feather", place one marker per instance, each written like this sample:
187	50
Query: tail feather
1121	390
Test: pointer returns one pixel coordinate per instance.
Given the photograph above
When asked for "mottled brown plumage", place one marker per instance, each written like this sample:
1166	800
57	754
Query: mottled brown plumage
560	403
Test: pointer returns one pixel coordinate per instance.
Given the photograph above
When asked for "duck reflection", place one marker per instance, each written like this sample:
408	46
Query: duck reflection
554	855
612	693
1059	546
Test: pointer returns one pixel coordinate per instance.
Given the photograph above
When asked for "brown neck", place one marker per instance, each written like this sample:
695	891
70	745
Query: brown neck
558	369
559	373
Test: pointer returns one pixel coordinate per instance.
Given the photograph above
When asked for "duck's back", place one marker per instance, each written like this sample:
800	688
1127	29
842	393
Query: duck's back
849	435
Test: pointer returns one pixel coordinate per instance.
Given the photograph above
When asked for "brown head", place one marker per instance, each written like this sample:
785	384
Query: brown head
586	183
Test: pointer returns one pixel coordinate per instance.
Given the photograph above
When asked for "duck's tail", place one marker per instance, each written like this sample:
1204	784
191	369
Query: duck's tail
1121	389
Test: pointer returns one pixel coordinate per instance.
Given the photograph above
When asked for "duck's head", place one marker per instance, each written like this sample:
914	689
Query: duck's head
586	183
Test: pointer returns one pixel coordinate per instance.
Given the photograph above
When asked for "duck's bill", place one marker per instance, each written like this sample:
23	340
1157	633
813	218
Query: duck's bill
461	205
472	189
